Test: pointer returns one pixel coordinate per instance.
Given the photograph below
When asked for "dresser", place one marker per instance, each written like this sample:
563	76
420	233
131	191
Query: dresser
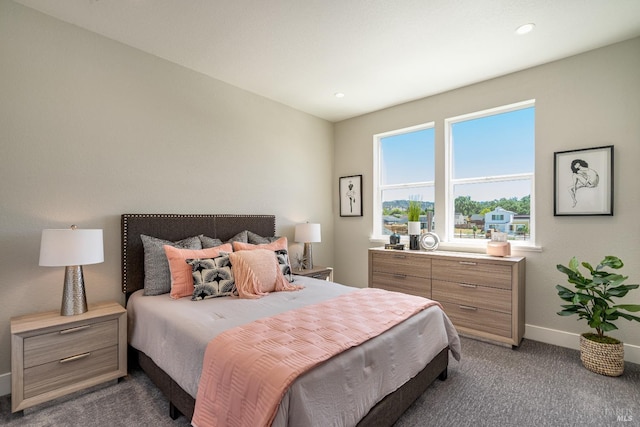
54	355
482	295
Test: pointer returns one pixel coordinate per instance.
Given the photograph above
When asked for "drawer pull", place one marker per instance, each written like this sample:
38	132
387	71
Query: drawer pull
72	330
76	357
400	276
466	307
468	263
464	285
400	256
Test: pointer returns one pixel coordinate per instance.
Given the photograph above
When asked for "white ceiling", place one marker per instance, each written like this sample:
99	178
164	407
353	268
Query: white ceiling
379	53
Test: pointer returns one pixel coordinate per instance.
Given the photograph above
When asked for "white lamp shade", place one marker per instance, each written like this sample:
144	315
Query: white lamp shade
66	247
308	233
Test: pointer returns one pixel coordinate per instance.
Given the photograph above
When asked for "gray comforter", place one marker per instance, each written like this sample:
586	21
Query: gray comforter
174	334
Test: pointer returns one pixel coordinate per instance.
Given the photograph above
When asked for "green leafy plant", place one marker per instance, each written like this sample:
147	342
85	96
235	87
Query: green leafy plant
592	299
414	210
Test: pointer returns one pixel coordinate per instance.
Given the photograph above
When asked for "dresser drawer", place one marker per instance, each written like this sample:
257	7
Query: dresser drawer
472	295
68	342
478	319
472	272
482	295
402	283
403	263
66	371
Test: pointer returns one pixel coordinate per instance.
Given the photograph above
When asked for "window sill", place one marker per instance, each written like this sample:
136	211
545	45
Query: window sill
475	247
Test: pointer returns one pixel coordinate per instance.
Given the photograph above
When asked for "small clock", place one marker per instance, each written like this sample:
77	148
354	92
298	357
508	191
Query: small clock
429	241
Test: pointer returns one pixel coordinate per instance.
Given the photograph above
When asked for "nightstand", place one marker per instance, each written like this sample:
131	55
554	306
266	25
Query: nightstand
317	272
54	355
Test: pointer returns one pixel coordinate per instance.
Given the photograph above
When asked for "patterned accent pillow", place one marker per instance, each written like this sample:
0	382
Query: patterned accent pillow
212	277
280	247
181	272
157	276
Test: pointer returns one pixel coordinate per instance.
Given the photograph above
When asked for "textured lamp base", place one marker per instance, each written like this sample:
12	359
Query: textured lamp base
74	300
307	255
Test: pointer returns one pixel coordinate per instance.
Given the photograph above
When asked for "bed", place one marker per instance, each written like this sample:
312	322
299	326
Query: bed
178	383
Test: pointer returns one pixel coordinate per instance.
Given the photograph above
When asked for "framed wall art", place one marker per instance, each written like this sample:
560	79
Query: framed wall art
583	181
350	191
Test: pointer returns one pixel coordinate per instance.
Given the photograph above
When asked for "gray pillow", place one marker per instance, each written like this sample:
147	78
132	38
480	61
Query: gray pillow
241	237
256	239
209	242
157	276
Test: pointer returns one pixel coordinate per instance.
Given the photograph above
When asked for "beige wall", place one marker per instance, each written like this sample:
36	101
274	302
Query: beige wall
584	101
91	129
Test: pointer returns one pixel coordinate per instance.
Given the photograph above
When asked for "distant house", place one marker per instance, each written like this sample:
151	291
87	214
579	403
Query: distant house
498	219
477	219
521	224
459	219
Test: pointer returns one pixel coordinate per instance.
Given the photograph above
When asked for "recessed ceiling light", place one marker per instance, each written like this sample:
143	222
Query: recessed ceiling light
339	95
525	29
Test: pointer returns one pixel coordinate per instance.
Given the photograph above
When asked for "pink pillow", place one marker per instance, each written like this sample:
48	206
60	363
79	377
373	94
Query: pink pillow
181	273
257	273
281	249
278	245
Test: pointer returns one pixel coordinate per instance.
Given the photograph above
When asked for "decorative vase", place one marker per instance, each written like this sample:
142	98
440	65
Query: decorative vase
394	239
602	358
414	228
414	235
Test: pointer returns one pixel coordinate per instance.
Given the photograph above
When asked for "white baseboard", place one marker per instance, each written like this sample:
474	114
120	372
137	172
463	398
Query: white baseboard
571	340
5	384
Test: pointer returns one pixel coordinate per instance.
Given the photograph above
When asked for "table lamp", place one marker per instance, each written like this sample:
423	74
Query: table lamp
71	248
307	233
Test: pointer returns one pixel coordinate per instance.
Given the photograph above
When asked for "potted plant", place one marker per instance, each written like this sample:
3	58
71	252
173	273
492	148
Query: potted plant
592	300
413	217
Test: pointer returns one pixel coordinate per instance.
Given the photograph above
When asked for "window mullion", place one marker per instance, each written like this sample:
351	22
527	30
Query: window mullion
497	178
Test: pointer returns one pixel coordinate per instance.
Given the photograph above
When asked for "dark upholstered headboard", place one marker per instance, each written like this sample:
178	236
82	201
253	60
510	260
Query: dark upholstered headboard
176	227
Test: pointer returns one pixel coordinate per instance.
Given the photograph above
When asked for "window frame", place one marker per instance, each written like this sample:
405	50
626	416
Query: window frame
450	182
378	187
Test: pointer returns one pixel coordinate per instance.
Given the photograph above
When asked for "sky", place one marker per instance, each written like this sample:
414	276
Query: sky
500	144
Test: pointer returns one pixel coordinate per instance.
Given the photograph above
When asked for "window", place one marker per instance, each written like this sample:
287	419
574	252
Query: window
403	170
490	173
487	179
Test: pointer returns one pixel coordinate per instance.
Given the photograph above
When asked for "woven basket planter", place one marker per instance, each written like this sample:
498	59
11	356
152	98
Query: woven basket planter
603	359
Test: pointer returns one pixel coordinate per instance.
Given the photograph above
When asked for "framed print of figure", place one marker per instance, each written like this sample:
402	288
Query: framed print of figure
583	181
350	191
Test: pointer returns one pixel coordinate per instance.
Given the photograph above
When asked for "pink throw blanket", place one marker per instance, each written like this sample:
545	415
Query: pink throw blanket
247	370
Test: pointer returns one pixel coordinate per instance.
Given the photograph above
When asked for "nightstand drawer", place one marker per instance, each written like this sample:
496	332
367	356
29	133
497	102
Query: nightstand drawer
402	262
478	319
317	272
59	373
472	272
402	283
68	342
322	276
477	296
